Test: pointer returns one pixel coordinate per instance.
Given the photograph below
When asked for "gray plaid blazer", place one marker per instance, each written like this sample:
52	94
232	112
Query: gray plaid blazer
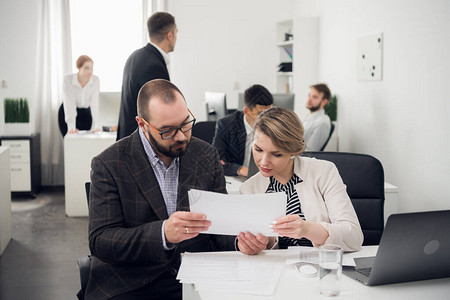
126	213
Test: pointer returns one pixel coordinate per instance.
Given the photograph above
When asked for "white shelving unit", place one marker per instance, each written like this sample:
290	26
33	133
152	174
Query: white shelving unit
302	51
286	47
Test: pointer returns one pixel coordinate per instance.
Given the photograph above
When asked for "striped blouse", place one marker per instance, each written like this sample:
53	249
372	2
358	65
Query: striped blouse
292	207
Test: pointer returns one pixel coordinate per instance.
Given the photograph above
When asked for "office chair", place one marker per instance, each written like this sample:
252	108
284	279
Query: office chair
204	130
329	137
364	177
84	263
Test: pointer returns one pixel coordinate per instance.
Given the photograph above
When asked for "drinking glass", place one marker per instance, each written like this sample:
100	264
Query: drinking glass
330	270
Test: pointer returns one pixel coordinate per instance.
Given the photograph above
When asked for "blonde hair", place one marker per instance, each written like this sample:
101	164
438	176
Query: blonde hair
284	129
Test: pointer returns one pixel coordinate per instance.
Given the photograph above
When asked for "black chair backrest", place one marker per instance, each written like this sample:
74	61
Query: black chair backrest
84	263
204	130
329	137
87	187
364	177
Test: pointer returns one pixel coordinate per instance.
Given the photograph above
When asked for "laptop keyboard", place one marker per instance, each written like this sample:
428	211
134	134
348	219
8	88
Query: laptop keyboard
364	271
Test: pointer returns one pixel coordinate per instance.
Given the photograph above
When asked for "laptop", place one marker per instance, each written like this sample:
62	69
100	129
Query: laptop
414	246
252	169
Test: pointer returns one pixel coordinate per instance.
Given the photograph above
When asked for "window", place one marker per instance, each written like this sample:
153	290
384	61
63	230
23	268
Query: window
108	31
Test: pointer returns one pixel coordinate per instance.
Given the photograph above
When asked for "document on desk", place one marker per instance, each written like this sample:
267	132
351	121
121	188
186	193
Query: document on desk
232	214
206	267
231	272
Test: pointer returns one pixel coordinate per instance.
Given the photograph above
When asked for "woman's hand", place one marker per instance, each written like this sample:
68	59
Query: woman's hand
290	226
295	227
251	244
71	131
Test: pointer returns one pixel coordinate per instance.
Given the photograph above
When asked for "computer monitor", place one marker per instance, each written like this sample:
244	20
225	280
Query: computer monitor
284	100
108	107
216	106
280	100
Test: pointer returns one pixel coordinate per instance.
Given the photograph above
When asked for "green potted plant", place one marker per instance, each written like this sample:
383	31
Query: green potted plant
331	108
17	116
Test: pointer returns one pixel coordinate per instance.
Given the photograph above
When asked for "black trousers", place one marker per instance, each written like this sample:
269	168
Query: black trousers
83	120
166	287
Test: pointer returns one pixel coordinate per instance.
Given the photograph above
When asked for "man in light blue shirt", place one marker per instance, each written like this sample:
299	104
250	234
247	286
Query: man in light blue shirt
317	124
139	218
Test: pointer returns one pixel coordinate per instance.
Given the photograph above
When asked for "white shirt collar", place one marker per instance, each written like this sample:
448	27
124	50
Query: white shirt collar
248	128
77	83
163	53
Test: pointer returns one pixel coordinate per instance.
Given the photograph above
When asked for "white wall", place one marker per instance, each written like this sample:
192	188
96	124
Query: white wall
224	44
402	120
18	38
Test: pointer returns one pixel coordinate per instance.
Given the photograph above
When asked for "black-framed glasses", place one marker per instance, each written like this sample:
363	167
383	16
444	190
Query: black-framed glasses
170	133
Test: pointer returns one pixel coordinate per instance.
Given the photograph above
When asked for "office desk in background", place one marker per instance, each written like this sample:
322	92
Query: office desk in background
293	286
5	199
233	184
79	149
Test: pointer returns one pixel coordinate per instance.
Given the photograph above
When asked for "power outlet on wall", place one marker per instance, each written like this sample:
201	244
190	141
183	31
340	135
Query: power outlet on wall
369	57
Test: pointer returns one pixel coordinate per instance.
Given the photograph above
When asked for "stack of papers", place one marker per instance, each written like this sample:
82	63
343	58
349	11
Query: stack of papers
232	272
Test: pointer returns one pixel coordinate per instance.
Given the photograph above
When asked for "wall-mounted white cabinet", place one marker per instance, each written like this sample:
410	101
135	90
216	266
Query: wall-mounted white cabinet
25	162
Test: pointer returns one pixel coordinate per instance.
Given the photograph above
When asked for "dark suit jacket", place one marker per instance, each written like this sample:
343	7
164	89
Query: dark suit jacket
229	140
127	209
143	65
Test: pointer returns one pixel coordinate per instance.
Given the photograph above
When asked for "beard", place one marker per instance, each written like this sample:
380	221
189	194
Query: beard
171	151
315	108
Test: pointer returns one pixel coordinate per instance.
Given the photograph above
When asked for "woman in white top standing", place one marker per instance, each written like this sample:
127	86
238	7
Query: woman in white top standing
79	110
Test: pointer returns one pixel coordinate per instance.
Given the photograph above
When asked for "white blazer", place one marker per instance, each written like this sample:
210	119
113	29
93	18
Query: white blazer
323	198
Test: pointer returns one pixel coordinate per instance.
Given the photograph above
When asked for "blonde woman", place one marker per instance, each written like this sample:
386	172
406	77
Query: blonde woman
79	110
318	209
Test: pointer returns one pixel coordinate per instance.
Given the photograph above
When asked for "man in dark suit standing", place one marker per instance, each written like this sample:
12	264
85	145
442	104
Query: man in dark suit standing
139	219
145	64
234	133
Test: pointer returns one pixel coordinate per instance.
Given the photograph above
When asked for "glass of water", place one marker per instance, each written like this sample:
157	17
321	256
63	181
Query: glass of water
330	263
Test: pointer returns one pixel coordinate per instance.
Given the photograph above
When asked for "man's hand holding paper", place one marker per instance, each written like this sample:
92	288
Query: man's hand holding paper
184	225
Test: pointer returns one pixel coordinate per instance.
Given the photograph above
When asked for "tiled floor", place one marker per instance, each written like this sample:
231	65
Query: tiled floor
40	261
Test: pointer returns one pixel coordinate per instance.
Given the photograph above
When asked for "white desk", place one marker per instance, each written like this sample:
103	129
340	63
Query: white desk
79	149
292	286
5	199
390	193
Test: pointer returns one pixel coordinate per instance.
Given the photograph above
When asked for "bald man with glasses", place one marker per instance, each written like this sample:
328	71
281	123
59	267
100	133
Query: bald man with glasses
139	219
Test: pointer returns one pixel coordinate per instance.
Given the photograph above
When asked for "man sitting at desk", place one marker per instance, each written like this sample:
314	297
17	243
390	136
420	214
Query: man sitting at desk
139	219
234	133
317	124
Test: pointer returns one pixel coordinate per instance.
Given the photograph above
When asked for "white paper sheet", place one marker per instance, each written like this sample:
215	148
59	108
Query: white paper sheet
232	272
264	281
201	267
232	214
